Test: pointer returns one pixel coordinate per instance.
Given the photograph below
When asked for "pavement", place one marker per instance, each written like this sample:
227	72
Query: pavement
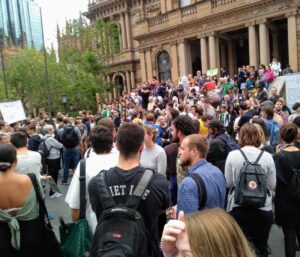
58	208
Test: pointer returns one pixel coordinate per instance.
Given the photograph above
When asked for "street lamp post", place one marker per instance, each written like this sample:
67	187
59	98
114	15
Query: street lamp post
64	101
2	64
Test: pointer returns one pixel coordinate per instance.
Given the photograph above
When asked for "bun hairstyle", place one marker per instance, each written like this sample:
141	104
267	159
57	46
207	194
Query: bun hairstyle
8	155
289	132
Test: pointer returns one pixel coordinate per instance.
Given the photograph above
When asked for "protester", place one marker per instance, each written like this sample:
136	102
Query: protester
153	155
207	233
124	177
255	222
287	205
192	153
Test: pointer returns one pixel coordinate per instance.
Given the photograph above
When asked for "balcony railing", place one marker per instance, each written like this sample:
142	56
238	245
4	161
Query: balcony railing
188	10
220	3
159	20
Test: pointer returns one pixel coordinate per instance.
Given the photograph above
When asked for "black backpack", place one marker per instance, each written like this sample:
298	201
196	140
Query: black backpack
69	137
295	184
230	144
43	150
251	189
121	231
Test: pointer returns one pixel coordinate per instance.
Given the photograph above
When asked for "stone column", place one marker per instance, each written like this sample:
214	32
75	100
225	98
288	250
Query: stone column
163	6
212	52
263	43
182	58
217	42
174	61
132	79
123	31
253	51
128	32
143	65
204	57
149	63
189	58
128	81
169	5
292	40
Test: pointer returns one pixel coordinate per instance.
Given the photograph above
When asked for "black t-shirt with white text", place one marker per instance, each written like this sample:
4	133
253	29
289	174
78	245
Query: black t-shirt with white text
120	184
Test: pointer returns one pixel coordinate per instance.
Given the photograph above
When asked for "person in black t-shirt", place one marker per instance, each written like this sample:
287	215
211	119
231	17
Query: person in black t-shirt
122	180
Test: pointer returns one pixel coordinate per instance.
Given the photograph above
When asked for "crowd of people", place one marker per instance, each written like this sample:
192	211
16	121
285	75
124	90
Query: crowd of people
223	154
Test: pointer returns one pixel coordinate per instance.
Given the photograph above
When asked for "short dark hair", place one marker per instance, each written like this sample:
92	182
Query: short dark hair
184	124
108	123
8	154
130	138
174	113
288	132
297	121
249	135
31	127
269	113
101	139
150	117
263	125
18	139
243	105
196	126
199	142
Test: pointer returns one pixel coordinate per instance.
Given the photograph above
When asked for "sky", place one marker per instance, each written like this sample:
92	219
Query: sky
56	12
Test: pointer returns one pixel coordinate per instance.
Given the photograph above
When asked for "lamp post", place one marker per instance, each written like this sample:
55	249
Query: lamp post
2	64
64	101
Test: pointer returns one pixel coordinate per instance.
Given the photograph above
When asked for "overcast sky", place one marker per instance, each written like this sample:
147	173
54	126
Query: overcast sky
56	12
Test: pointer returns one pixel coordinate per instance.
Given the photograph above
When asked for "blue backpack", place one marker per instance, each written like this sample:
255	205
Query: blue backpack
231	145
273	129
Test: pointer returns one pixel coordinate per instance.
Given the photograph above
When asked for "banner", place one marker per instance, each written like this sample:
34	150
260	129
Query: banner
12	111
292	89
213	72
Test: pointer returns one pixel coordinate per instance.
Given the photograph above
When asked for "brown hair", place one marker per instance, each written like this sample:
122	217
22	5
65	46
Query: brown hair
151	131
199	142
249	135
261	133
289	132
213	232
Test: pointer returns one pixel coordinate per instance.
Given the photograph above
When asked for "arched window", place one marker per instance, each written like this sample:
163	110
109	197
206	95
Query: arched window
164	67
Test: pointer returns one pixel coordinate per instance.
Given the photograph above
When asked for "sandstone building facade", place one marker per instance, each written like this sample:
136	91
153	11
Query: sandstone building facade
170	38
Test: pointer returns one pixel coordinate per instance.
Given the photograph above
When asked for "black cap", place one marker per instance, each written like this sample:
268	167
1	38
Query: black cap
296	106
216	124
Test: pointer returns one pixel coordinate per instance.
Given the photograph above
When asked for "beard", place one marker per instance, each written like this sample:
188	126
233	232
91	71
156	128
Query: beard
185	163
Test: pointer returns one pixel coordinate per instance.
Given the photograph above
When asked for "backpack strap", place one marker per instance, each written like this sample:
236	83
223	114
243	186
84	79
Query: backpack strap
259	156
201	189
82	185
134	199
42	206
244	155
106	199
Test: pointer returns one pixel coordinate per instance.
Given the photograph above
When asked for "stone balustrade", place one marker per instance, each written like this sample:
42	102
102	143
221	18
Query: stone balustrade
220	3
188	10
158	20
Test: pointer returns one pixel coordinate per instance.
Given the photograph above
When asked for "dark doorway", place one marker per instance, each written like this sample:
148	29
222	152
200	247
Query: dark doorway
195	56
164	67
119	82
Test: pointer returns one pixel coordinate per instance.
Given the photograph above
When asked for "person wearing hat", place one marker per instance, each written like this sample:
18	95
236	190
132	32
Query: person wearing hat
217	152
296	108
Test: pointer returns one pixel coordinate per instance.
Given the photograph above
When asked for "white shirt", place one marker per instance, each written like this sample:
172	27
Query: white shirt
94	164
31	162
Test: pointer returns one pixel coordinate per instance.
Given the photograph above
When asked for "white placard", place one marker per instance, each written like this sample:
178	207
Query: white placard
12	111
292	87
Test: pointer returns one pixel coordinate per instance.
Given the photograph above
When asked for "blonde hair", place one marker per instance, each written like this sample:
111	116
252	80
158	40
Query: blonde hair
151	131
214	233
261	134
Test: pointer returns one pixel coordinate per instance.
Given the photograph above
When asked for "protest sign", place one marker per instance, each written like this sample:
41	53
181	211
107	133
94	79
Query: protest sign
212	72
292	89
12	111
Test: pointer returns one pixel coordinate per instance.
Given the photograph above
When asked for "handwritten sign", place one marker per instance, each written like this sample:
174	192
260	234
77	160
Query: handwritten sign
212	72
12	111
292	88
